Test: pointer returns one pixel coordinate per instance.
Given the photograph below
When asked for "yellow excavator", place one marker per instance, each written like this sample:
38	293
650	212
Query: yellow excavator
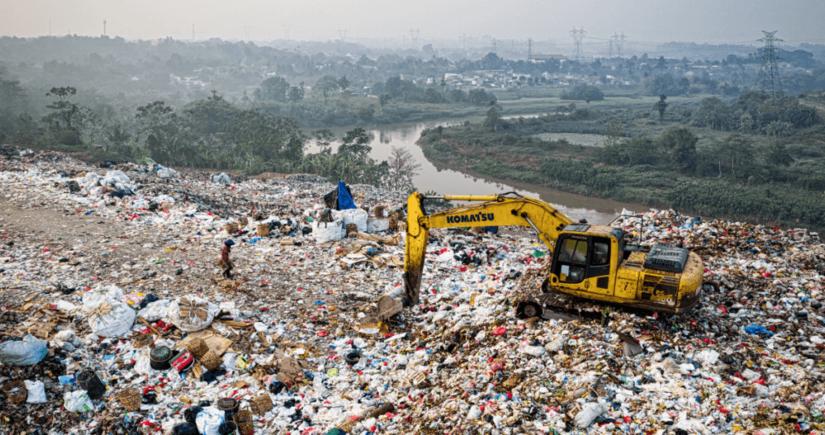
593	262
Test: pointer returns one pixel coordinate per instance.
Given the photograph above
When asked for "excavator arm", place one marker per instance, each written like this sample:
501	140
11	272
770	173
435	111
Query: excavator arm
495	210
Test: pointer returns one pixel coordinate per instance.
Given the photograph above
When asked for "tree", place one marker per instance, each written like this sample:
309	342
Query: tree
13	101
777	154
272	89
737	152
323	138
343	83
296	93
493	120
681	144
713	113
480	97
66	117
402	169
613	133
326	85
661	106
158	129
581	92
587	98
355	144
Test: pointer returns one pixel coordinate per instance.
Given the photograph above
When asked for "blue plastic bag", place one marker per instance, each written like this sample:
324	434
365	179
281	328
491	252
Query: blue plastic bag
345	201
758	329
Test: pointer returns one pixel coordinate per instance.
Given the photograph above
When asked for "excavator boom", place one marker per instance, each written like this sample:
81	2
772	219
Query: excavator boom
495	210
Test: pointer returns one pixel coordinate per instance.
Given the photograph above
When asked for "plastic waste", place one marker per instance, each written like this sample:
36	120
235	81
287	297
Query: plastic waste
758	329
77	401
324	232
30	350
37	391
209	420
112	319
221	178
588	414
191	313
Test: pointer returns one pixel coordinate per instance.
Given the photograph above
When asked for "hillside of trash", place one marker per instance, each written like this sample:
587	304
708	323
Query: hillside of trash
116	317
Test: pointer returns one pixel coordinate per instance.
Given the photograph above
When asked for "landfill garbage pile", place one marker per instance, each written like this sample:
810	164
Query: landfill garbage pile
115	318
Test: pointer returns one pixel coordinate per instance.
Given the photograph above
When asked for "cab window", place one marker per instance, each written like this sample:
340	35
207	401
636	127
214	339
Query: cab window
567	250
572	260
601	252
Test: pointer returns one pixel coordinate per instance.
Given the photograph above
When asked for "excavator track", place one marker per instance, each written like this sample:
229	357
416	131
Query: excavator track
535	298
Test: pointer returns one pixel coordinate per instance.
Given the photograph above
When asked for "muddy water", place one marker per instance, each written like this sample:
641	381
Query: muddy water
447	181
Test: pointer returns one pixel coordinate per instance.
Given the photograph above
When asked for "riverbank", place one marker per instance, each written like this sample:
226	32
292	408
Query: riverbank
577	169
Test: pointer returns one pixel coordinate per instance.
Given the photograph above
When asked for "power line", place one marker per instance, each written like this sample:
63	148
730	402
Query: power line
768	78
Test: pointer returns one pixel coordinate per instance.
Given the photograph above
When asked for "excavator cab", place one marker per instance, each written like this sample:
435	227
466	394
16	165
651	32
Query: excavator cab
589	261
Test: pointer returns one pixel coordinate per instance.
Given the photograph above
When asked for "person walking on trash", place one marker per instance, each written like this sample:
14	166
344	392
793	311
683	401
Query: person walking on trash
226	263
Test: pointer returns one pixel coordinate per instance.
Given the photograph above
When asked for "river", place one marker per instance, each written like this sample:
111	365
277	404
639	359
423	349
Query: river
447	181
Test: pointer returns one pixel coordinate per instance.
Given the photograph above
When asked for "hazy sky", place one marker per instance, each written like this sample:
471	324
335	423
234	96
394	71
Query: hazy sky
714	21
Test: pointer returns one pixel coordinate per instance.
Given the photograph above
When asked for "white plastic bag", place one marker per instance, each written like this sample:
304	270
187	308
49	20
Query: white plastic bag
166	173
67	307
93	298
66	340
116	177
536	351
143	365
30	351
378	225
708	356
37	392
200	316
324	232
589	413
355	216
155	311
220	178
77	401
112	319
209	420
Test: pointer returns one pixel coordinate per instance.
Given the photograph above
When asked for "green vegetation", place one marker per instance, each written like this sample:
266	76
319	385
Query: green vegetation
586	93
210	133
772	169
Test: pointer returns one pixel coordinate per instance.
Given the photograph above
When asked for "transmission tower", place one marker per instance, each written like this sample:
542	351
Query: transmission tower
414	37
529	48
343	34
610	56
494	46
578	36
618	41
286	31
768	79
246	30
104	27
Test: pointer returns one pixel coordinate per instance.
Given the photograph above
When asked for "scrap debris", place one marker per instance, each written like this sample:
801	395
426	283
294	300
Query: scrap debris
115	319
